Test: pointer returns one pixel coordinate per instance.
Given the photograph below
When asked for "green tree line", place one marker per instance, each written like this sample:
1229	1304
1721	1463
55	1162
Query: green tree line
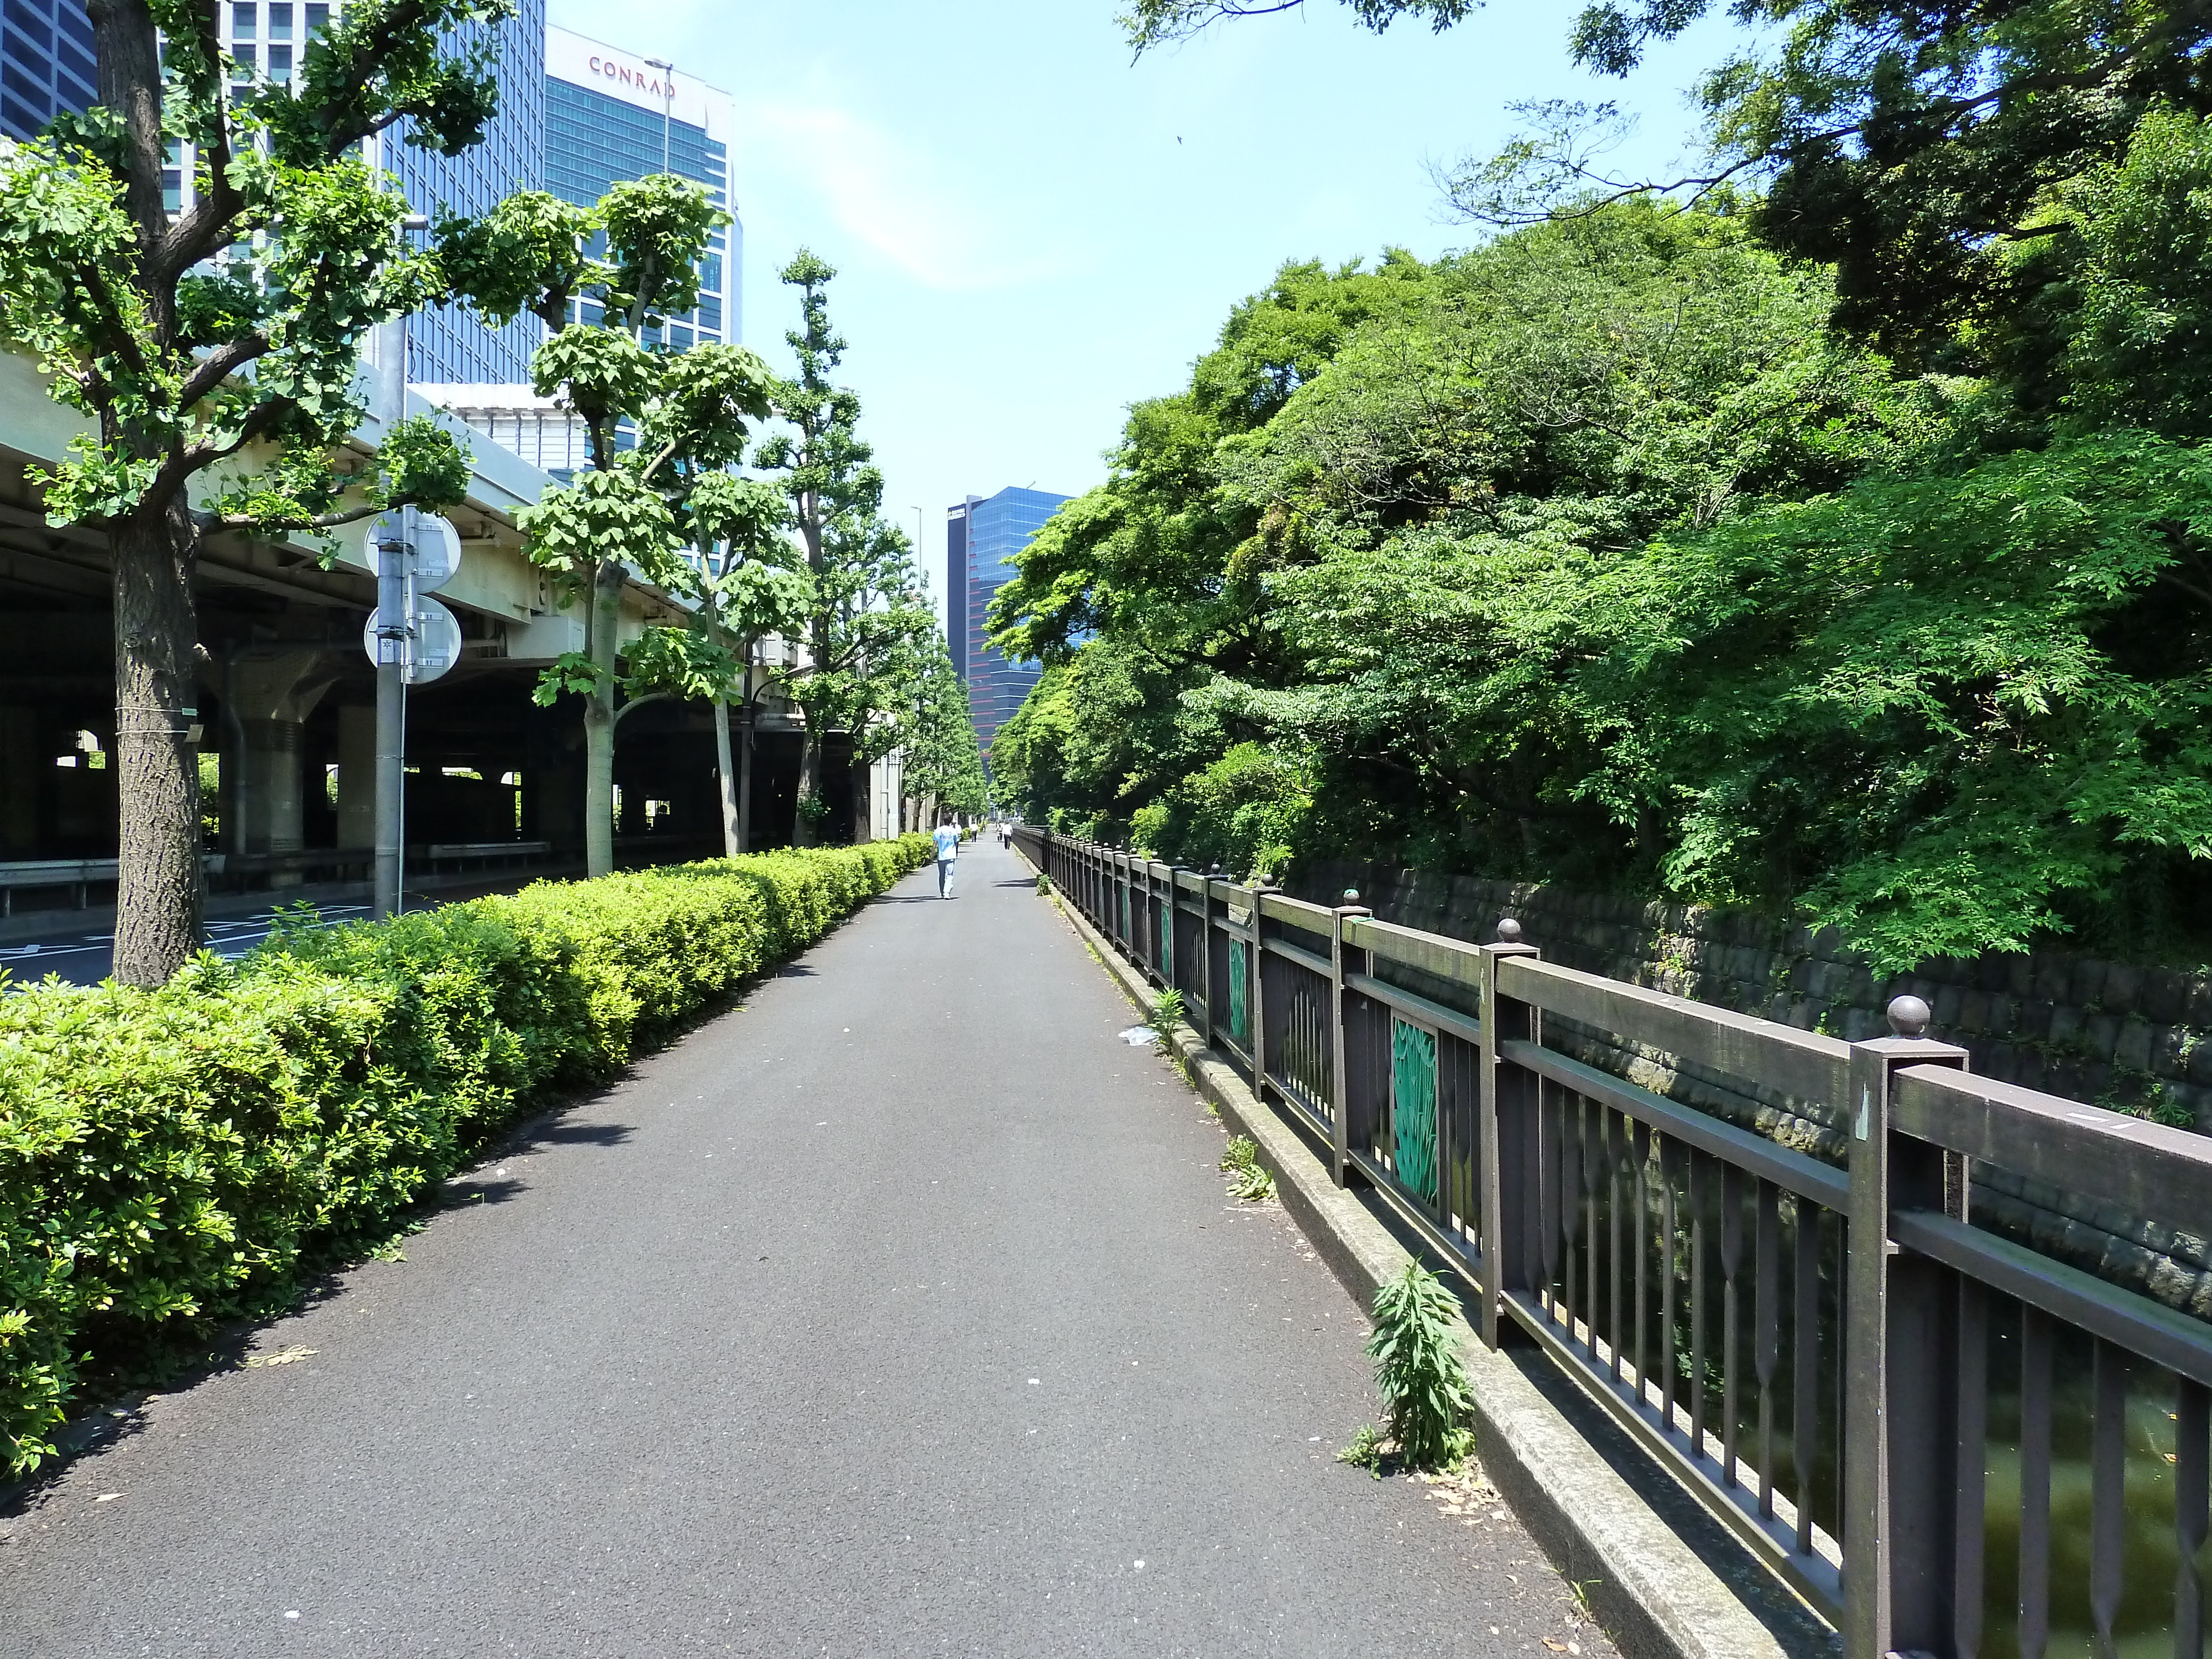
1825	534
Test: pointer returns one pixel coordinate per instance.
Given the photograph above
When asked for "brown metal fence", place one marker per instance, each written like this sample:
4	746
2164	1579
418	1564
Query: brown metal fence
1948	1444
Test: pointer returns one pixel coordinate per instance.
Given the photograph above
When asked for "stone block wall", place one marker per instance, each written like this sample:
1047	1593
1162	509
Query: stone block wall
2117	1035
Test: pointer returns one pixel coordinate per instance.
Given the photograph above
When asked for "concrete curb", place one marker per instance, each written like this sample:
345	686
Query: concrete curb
1665	1580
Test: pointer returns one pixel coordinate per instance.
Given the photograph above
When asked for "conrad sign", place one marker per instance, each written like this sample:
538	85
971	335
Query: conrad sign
583	62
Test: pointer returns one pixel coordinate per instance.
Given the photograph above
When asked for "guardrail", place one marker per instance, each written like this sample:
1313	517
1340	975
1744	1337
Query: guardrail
1869	1421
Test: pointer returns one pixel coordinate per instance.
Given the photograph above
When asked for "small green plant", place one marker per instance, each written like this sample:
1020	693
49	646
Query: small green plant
1366	1451
1419	1371
1254	1186
1044	885
1167	1014
1249	1179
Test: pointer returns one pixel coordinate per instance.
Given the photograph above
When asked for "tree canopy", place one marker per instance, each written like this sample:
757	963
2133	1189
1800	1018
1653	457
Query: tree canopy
1600	553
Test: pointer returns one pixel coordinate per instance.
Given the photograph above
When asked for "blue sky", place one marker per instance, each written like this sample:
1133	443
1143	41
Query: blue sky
1032	233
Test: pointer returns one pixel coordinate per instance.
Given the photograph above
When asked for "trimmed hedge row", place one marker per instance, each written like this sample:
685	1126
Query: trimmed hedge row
169	1155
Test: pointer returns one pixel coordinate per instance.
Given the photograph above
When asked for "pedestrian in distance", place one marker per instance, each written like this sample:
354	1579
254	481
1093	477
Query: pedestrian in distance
948	853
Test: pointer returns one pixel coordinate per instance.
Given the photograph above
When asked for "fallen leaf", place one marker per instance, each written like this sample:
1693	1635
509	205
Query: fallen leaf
282	1356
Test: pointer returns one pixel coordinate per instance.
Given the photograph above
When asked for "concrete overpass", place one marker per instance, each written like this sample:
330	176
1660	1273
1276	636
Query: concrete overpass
288	695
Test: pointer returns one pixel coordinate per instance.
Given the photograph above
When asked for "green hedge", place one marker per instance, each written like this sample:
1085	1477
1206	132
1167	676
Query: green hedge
170	1155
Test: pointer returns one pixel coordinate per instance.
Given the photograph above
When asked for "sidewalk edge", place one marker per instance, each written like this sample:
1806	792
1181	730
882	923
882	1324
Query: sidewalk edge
1652	1592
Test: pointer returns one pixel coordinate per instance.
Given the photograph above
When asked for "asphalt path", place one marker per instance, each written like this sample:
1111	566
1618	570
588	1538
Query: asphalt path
900	1311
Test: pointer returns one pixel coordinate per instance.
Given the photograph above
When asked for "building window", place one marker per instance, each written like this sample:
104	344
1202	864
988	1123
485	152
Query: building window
244	21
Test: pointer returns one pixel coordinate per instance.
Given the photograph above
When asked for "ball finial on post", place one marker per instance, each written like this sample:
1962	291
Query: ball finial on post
1509	931
1908	1016
1351	896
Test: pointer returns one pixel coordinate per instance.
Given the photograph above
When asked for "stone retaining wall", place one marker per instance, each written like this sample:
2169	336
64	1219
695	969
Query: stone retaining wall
2130	1038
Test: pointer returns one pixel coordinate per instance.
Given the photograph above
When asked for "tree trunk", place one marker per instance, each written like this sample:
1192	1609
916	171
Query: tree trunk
810	782
599	720
746	779
733	838
158	900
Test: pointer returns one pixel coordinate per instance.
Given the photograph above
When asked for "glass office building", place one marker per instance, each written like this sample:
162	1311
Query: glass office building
448	343
989	532
46	64
612	114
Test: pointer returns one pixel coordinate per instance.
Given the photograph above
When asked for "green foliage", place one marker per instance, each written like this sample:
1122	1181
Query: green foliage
1366	1450
1419	1371
1250	1181
170	1157
1168	1013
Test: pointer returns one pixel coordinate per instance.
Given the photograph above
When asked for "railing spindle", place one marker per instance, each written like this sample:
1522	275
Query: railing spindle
1700	1188
1614	1124
1766	1353
2034	1482
1968	1571
1670	1177
1805	1339
1731	1329
2108	1451
1570	1197
2192	1510
1639	1175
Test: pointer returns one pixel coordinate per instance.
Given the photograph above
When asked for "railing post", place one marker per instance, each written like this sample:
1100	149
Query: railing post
1901	1366
1255	992
1206	950
1507	1174
1343	959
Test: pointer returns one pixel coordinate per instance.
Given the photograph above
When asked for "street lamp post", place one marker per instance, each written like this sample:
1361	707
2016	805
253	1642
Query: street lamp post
667	102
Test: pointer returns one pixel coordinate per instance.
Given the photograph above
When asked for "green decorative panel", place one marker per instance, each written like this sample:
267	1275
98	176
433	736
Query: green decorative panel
1167	940
1414	1107
1124	887
1239	1017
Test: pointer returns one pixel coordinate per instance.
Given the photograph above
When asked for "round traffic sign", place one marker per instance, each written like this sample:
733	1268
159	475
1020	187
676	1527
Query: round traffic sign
437	552
427	651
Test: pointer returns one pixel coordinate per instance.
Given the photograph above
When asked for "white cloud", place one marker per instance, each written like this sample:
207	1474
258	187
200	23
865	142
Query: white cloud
820	161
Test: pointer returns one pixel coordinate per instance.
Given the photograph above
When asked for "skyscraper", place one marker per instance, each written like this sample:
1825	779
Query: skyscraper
612	114
46	64
990	532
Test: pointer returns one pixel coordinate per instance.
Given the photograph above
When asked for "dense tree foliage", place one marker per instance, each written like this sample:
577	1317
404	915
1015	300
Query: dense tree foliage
1600	553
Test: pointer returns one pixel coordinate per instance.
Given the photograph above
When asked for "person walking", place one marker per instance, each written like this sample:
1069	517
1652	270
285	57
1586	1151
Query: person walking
948	852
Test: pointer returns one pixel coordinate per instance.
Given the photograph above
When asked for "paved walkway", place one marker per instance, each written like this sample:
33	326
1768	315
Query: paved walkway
901	1312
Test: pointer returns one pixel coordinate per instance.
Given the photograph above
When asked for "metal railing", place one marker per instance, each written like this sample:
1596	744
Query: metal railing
1949	1444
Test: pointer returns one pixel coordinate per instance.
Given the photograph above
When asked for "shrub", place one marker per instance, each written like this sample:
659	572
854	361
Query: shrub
170	1157
1418	1369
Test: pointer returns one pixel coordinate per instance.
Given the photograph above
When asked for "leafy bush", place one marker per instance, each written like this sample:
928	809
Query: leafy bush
170	1157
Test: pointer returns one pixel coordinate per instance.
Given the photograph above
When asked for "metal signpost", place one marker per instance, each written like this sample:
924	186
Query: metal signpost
412	639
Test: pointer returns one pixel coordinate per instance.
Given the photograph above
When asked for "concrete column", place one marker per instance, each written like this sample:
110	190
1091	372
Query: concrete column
357	774
271	697
20	783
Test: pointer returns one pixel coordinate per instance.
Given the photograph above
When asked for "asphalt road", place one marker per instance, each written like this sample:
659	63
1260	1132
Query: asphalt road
78	957
899	1312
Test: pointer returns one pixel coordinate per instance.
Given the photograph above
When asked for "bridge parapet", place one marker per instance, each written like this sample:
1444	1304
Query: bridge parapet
1929	1431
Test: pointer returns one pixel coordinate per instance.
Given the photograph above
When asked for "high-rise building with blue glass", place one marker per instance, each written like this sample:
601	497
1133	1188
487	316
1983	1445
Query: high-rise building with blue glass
46	64
612	114
988	533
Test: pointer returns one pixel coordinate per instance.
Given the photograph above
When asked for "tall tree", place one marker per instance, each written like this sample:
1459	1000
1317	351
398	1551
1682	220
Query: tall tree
866	612
214	347
944	765
659	425
750	584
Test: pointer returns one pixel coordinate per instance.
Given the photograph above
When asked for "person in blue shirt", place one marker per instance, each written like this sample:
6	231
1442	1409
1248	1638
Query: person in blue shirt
948	852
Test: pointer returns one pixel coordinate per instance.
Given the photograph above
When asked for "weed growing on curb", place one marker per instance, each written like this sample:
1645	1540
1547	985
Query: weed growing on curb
1419	1372
1167	1014
1247	1179
1044	885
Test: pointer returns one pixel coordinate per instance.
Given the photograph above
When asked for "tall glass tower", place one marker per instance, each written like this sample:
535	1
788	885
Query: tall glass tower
46	64
611	114
990	532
